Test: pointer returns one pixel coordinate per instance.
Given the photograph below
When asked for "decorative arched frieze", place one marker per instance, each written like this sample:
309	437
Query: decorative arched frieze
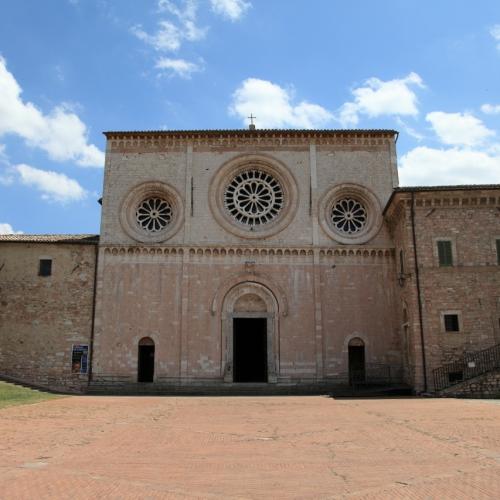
161	141
222	252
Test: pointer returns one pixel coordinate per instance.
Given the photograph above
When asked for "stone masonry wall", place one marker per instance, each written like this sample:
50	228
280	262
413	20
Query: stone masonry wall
469	288
42	317
485	386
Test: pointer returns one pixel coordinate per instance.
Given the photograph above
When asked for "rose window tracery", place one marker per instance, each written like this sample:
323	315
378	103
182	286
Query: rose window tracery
348	216
254	197
154	214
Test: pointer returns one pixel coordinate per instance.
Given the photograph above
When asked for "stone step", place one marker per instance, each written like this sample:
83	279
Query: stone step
246	390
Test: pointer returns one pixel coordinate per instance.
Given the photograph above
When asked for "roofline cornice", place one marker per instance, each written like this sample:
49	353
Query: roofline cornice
192	134
442	193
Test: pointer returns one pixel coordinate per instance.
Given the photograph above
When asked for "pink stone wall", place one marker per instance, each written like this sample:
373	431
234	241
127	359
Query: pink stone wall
169	298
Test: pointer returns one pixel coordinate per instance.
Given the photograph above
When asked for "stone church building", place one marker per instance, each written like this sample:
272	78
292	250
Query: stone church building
272	258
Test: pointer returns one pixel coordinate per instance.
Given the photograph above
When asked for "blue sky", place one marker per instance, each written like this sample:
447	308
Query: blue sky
70	69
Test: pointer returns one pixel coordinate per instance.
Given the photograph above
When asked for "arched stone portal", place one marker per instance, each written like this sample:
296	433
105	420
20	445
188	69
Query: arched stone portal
250	315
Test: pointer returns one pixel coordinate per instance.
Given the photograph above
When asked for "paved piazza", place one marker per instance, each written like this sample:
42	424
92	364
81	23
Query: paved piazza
250	447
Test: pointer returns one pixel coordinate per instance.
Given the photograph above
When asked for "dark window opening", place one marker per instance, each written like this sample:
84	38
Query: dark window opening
146	365
401	263
250	350
45	268
445	253
498	252
451	323
455	376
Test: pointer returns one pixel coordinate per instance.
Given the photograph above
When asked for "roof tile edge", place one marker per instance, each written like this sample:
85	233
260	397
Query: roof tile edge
74	239
256	132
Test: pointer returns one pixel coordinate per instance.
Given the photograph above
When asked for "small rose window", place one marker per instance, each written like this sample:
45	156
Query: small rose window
348	216
154	214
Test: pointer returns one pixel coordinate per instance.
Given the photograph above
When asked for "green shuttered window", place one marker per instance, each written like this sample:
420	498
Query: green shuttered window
445	253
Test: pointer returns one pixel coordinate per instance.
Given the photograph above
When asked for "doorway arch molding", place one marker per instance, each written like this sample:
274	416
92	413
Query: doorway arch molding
246	277
353	336
227	311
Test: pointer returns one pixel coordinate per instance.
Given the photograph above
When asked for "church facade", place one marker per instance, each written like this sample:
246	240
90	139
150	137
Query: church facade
267	257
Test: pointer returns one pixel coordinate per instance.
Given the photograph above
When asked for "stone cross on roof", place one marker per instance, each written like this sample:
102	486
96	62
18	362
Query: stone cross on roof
252	125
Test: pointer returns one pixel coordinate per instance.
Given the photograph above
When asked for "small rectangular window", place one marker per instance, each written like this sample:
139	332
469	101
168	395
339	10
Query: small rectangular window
445	253
79	358
451	323
45	268
498	252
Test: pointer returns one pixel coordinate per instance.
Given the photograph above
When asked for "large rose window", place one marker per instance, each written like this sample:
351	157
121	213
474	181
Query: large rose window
254	197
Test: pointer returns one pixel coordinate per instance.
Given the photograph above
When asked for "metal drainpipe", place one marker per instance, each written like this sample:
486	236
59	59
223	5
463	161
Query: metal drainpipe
91	353
417	276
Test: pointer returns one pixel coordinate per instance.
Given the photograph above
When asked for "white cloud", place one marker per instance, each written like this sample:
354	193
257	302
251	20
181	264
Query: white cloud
60	133
491	109
378	98
186	16
53	186
178	24
169	36
495	33
273	106
424	166
178	67
231	9
458	129
8	229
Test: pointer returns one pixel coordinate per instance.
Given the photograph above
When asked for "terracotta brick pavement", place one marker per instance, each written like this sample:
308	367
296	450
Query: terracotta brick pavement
250	447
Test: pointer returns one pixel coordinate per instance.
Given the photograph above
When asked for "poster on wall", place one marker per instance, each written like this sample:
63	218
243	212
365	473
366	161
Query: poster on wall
79	358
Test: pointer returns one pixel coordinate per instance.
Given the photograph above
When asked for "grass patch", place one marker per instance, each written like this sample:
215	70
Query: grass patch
11	394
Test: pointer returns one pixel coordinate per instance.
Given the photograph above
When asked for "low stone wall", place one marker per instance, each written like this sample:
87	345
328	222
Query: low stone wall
485	386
